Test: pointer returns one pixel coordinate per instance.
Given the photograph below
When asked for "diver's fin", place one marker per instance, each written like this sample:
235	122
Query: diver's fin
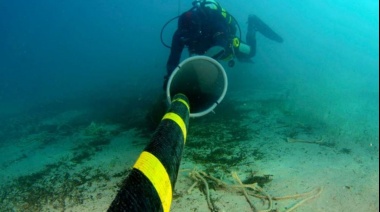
255	23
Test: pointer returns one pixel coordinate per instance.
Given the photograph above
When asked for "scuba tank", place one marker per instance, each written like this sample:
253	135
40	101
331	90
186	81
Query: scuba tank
241	47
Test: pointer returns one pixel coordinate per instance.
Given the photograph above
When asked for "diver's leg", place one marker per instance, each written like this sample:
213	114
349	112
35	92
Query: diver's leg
251	39
256	24
250	51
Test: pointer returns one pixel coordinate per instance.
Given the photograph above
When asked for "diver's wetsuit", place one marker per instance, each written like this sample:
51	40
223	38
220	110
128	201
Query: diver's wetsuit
199	30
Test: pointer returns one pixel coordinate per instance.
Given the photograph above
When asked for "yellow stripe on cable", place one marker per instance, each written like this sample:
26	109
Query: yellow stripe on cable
184	102
153	169
177	119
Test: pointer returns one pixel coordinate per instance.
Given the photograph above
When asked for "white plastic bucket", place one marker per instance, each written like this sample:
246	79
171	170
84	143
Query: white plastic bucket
204	82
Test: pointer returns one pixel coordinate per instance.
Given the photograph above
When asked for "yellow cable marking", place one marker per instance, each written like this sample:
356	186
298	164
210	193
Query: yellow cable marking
184	102
178	120
157	175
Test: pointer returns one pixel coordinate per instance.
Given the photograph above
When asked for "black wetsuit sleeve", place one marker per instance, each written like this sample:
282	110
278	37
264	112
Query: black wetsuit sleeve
220	31
221	34
175	52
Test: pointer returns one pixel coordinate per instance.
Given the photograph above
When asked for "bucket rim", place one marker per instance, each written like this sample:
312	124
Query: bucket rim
220	68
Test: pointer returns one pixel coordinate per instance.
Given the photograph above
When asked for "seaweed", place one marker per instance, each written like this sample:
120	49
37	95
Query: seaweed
56	186
219	140
260	180
79	157
345	151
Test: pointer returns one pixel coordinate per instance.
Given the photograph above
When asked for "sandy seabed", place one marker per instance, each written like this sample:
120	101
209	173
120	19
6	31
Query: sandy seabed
290	162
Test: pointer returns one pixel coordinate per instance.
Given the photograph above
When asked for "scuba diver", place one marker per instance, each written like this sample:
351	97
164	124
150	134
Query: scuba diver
208	29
